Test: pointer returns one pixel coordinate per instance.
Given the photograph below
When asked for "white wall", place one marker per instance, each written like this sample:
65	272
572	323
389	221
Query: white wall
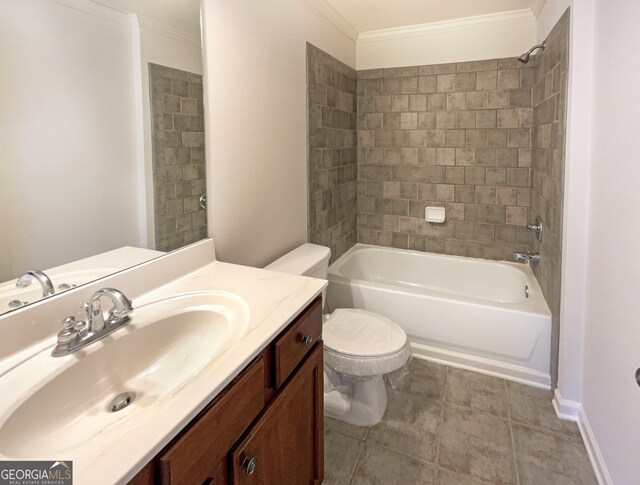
611	398
170	49
68	178
549	15
471	39
600	334
256	112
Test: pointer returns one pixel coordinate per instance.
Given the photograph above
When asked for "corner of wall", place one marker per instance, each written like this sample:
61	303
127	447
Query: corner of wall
576	198
548	16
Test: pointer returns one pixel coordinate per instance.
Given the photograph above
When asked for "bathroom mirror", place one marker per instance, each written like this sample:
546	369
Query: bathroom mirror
102	139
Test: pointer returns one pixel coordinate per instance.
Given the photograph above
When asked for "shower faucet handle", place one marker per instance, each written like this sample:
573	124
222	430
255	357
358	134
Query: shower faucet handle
536	227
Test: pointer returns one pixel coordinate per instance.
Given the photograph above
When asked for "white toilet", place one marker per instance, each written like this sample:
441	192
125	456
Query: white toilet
360	347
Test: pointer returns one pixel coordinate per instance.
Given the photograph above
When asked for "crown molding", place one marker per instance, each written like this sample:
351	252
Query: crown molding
159	28
97	10
131	19
332	15
466	23
537	8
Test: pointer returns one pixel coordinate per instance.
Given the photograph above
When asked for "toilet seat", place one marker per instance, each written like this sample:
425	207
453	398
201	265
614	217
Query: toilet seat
362	344
360	347
360	333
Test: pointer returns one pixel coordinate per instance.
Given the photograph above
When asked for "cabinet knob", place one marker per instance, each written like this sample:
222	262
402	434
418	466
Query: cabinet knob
638	376
307	340
249	465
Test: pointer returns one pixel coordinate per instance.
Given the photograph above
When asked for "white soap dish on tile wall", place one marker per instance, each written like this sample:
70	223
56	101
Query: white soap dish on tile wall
435	214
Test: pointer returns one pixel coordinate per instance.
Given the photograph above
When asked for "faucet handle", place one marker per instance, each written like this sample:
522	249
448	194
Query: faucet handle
81	327
536	227
114	315
69	332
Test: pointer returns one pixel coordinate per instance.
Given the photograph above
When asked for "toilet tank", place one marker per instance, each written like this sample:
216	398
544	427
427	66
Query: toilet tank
306	260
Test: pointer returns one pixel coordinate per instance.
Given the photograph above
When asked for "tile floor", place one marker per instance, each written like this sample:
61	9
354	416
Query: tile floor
450	426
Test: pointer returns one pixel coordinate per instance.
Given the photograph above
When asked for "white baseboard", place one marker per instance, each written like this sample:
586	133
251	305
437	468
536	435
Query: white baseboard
565	408
595	455
573	411
481	365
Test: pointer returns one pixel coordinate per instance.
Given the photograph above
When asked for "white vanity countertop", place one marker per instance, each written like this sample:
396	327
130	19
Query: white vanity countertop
119	451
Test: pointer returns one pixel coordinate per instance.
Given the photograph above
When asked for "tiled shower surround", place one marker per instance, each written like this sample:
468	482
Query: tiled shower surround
452	135
177	118
484	139
332	152
547	183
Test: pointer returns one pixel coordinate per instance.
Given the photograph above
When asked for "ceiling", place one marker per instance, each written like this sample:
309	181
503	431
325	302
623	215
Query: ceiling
362	15
366	15
183	15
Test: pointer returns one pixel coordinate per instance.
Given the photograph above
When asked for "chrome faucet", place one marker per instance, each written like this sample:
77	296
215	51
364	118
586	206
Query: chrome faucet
76	334
526	257
43	279
536	228
122	307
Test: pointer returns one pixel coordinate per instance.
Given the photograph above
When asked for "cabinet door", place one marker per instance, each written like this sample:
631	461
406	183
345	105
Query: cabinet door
200	454
286	443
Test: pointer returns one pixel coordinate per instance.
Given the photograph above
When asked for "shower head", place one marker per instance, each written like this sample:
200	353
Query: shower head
524	58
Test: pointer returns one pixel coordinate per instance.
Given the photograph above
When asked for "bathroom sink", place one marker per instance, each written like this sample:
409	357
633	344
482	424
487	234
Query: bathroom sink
167	343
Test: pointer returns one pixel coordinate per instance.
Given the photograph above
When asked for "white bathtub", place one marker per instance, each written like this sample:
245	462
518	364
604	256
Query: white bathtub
482	315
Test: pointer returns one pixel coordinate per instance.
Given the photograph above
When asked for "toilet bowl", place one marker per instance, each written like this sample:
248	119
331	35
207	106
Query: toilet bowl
360	347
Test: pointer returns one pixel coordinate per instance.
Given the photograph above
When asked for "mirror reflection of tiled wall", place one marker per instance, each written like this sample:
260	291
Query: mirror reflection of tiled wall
178	156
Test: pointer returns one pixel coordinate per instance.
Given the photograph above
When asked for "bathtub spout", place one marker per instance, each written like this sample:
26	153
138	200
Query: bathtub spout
524	257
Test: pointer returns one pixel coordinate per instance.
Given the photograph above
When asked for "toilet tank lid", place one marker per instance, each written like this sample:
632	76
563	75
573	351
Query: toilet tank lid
302	260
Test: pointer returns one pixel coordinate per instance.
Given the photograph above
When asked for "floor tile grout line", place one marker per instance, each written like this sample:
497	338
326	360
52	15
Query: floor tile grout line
441	419
475	410
378	445
539	429
346	434
366	435
426	462
513	441
466	408
357	462
561	433
440	471
543	430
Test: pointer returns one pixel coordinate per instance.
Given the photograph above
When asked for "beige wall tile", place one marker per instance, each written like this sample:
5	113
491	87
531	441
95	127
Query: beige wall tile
516	215
457	135
446	83
486	81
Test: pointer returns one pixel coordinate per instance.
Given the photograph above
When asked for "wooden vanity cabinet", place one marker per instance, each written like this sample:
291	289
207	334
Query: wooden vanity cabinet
266	427
285	445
